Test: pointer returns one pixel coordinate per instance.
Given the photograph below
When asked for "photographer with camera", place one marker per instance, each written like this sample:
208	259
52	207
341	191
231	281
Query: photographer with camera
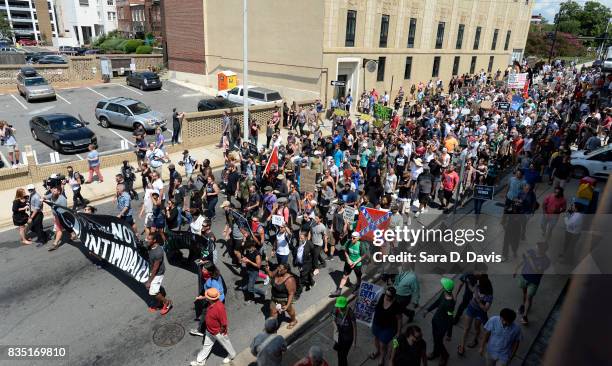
129	176
75	179
7	138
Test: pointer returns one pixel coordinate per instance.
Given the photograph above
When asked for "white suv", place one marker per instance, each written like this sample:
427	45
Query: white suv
256	96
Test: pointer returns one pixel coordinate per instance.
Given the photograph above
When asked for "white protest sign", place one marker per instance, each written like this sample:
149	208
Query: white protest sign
349	214
365	304
517	81
278	220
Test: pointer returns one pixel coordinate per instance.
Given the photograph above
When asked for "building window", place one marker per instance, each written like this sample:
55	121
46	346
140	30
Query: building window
507	43
473	65
490	67
412	32
456	65
408	68
380	74
460	31
440	35
494	43
112	15
436	67
384	31
351	24
84	2
110	2
477	38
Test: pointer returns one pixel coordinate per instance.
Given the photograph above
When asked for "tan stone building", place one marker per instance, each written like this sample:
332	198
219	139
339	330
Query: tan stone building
298	47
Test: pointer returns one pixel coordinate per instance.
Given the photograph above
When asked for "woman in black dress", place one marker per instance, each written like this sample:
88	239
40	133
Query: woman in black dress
20	214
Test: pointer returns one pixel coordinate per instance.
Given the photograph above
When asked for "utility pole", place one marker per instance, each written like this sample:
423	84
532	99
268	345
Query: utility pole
245	72
554	40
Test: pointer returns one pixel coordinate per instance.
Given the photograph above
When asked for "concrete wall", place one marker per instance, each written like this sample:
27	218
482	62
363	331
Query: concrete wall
79	68
285	43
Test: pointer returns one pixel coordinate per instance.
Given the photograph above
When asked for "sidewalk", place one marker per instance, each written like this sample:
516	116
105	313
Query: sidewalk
506	294
98	193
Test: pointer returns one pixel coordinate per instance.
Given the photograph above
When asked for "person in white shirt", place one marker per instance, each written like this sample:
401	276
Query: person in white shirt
390	182
146	210
157	184
574	221
196	224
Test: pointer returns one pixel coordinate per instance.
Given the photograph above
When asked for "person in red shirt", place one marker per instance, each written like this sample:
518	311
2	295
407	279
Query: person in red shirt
553	206
216	329
450	180
314	358
395	121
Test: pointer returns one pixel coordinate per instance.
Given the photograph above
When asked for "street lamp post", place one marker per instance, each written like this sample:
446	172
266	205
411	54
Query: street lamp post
245	72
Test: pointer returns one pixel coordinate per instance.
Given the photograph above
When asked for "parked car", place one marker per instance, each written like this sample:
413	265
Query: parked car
33	57
52	59
5	42
596	163
27	42
92	52
72	51
144	80
8	49
129	113
256	95
63	132
32	86
217	102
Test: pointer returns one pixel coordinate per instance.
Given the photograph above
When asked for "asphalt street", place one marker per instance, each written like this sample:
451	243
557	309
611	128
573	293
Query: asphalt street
62	298
82	101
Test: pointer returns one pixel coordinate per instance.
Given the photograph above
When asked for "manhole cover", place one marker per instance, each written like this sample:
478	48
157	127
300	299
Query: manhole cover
168	335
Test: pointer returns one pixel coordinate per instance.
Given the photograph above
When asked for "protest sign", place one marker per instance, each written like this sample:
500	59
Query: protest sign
503	106
517	81
278	220
484	192
349	214
308	179
382	112
517	102
365	304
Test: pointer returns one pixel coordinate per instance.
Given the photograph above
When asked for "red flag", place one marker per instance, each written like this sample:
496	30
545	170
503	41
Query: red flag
526	89
371	219
272	161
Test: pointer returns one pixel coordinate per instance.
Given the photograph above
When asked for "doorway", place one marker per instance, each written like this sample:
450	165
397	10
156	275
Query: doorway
341	90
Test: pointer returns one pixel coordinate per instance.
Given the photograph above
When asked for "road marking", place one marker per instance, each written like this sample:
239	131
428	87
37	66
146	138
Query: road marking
62	98
35	156
41	110
166	90
130	89
97	92
191	95
123	138
6	162
18	101
79	156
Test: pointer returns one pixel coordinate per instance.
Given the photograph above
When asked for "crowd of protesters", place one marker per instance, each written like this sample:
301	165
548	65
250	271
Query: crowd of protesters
436	145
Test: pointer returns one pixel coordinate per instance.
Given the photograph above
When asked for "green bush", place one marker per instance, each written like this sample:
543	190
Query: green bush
111	44
131	45
144	49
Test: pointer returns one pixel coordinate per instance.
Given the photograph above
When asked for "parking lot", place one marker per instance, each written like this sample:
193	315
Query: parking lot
82	101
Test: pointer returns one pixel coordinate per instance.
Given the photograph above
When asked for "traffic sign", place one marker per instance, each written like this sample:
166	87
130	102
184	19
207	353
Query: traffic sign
338	83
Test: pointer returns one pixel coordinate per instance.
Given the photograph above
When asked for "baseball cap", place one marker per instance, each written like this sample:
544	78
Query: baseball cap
30	187
341	302
447	284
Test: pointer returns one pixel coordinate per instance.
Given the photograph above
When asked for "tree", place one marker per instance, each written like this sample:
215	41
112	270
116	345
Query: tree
593	19
5	27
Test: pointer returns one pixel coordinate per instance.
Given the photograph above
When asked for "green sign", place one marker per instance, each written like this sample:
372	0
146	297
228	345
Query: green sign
381	112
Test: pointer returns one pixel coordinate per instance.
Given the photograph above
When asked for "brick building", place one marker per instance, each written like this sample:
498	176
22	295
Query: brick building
135	18
184	35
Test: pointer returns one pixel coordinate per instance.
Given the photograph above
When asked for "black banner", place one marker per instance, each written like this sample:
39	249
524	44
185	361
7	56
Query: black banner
109	238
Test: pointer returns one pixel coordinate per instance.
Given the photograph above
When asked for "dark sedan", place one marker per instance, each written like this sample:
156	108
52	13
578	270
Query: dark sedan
63	132
52	60
215	103
144	80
